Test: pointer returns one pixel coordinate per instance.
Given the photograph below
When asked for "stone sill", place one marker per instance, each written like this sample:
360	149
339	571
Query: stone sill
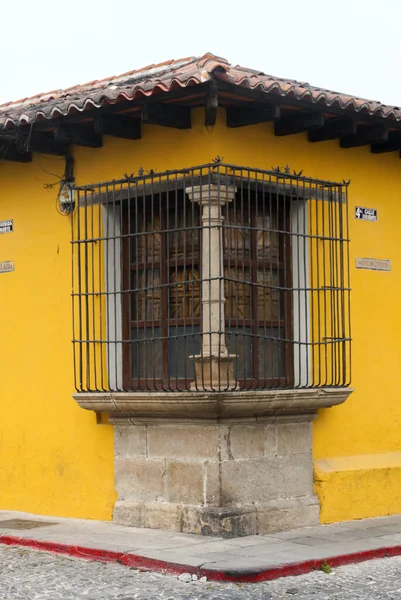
212	405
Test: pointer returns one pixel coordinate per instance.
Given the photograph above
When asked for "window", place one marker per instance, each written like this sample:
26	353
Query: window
210	279
257	276
162	310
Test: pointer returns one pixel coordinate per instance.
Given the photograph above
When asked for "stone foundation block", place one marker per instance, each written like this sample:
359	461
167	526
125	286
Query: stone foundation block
294	438
183	441
222	522
128	513
139	478
130	441
185	482
226	522
298	476
224	478
252	480
212	483
284	515
248	441
162	515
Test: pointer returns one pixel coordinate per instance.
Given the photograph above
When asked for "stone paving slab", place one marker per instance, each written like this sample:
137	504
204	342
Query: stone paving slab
269	555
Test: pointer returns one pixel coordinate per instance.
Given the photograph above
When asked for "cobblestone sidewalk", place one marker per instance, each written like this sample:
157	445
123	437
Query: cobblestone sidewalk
32	575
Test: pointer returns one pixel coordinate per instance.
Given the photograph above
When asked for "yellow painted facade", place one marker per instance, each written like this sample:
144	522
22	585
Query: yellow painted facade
57	459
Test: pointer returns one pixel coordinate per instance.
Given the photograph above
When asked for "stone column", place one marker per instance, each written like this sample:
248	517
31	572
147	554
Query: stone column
214	367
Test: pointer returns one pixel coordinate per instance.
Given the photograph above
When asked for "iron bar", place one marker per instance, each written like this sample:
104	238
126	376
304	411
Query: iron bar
243	285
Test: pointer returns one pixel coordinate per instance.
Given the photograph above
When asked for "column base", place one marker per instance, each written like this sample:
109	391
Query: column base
214	373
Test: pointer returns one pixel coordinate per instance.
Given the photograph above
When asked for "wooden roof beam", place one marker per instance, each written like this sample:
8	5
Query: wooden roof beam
334	128
37	142
298	122
78	135
166	115
364	136
251	114
117	126
393	144
8	135
211	104
45	144
9	151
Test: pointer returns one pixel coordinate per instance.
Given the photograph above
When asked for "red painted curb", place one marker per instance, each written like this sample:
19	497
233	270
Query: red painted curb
135	561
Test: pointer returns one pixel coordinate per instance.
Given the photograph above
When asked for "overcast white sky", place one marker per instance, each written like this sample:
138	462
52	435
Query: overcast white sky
351	46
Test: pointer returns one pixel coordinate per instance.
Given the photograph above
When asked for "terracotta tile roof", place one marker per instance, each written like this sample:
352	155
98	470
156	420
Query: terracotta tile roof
170	75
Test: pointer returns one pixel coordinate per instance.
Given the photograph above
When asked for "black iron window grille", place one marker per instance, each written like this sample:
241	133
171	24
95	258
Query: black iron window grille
211	278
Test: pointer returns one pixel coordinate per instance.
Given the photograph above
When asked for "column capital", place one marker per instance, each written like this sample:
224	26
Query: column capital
211	193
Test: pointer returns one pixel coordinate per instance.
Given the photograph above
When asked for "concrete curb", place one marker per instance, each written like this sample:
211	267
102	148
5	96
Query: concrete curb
245	575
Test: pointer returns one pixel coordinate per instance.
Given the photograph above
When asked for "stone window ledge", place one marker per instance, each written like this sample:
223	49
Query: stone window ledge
212	405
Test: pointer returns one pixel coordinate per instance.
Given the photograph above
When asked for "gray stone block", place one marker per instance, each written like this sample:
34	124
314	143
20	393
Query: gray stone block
222	522
139	478
130	441
252	480
185	482
212	483
162	515
298	475
251	441
183	441
128	513
283	516
294	438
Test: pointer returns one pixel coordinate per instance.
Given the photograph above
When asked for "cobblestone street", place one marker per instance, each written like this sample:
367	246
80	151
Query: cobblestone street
29	574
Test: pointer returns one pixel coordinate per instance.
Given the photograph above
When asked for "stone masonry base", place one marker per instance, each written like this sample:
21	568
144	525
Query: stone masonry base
207	477
223	522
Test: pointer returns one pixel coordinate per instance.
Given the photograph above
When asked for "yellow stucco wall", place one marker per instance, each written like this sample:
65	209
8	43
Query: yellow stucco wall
54	458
